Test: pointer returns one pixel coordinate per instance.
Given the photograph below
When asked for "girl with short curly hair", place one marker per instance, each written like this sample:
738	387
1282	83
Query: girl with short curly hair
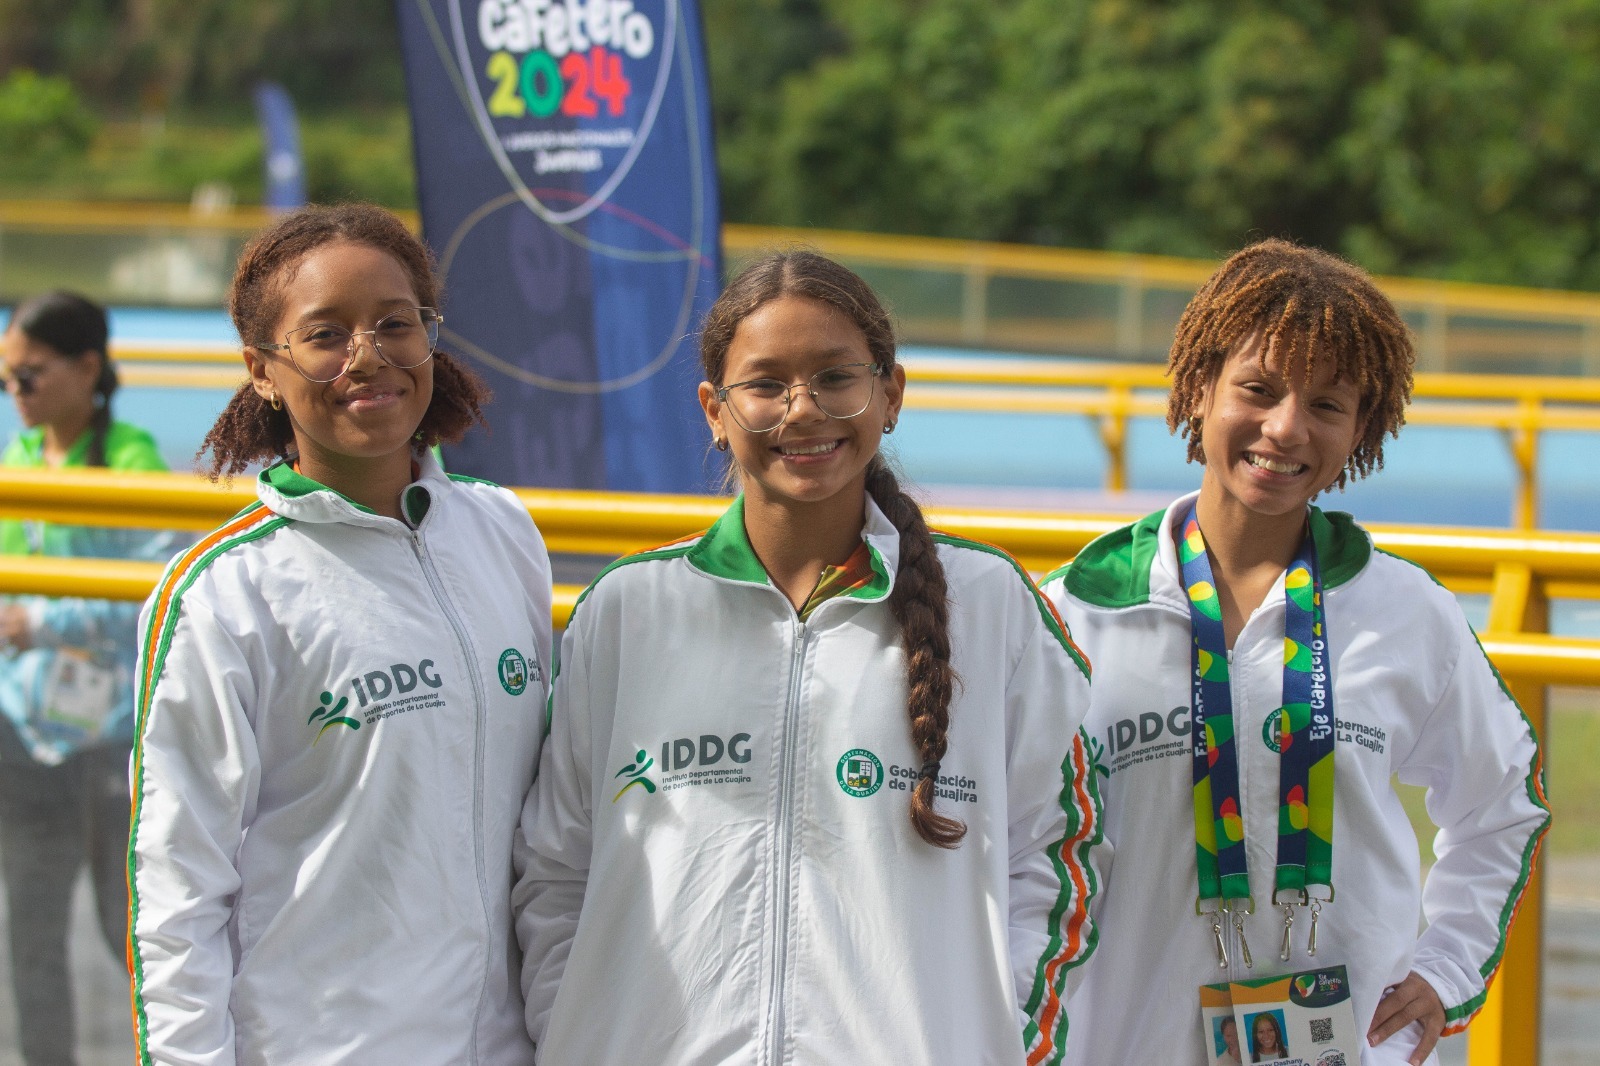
1263	673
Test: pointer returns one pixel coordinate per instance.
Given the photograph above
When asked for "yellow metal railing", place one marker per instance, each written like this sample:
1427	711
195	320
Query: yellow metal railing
1521	408
1521	572
944	292
1033	299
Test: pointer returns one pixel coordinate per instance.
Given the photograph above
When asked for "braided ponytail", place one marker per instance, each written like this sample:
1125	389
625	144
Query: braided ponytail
920	603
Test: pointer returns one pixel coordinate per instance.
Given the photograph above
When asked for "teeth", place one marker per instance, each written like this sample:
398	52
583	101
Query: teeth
1275	467
819	449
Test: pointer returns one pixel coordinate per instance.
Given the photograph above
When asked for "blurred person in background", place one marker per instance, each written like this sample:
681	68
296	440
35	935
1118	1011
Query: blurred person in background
66	670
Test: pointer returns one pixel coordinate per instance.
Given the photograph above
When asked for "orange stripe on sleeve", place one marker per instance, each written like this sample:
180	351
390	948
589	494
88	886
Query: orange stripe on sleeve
1080	912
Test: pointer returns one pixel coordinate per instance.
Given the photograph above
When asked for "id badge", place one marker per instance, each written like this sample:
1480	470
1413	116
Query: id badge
1298	1019
79	692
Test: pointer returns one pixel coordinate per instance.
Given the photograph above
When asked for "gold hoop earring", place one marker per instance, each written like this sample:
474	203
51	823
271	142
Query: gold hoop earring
275	401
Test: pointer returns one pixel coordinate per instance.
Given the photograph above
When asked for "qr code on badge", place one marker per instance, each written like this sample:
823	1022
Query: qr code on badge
1321	1030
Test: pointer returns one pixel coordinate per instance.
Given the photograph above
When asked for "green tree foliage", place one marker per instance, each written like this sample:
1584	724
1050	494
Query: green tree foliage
1450	137
1458	138
206	54
43	124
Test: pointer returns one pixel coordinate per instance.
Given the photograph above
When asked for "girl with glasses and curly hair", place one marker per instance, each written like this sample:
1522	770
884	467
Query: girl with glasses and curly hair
341	692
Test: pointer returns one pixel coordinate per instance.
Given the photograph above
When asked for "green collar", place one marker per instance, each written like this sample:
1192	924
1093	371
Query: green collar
724	551
293	485
1114	570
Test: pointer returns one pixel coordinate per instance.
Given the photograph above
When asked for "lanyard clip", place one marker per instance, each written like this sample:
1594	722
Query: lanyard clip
1288	906
1316	911
1214	917
1221	942
1230	906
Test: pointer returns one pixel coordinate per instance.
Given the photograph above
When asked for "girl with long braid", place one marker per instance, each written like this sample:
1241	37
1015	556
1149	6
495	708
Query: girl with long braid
814	788
66	669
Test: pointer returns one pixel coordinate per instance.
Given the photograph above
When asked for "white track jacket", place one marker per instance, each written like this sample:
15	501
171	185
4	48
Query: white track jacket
339	718
1413	696
719	864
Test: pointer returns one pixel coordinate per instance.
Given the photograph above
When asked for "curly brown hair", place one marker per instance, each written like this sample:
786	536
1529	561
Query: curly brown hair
920	600
1297	301
251	431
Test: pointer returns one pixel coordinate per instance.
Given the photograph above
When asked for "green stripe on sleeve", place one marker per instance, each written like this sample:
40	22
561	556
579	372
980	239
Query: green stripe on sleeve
185	579
1051	620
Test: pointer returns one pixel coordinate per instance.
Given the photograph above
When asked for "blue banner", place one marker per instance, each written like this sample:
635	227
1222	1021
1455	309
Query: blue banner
280	136
567	181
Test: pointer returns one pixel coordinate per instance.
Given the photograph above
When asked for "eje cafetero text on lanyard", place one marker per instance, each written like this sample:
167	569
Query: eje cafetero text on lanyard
1305	760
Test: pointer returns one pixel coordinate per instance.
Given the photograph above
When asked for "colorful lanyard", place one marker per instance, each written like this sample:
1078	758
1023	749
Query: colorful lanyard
1304	736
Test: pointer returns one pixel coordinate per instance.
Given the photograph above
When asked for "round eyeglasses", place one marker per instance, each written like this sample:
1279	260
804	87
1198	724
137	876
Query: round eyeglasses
322	352
762	404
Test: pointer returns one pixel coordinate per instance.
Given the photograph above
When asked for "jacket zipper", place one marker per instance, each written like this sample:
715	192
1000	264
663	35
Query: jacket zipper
782	857
467	654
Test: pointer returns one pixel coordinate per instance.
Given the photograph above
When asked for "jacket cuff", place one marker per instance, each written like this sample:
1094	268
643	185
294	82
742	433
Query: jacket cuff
1462	992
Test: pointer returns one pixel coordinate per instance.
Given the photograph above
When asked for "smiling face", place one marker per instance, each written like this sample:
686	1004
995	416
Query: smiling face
1272	440
1266	1034
59	390
811	457
361	423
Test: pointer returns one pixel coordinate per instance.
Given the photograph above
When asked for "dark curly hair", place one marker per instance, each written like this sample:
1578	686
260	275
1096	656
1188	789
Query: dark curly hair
1300	301
920	600
249	430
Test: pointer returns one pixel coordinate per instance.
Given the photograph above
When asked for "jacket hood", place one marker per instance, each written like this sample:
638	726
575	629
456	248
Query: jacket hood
1116	570
287	492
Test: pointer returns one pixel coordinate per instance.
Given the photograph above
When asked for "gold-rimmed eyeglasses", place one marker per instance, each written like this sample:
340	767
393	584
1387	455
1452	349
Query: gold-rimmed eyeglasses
322	351
761	405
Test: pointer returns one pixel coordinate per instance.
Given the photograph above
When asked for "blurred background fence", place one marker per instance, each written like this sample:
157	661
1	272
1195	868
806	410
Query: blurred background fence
947	293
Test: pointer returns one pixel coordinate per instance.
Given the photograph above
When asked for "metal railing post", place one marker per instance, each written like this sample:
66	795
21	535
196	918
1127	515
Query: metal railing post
974	304
1114	436
1130	318
1507	1031
1524	443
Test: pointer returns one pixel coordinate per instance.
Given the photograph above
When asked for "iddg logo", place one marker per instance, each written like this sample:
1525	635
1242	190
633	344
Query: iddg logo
379	694
690	762
637	773
399	679
333	712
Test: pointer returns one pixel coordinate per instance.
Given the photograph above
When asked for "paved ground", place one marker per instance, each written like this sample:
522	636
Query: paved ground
1572	981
